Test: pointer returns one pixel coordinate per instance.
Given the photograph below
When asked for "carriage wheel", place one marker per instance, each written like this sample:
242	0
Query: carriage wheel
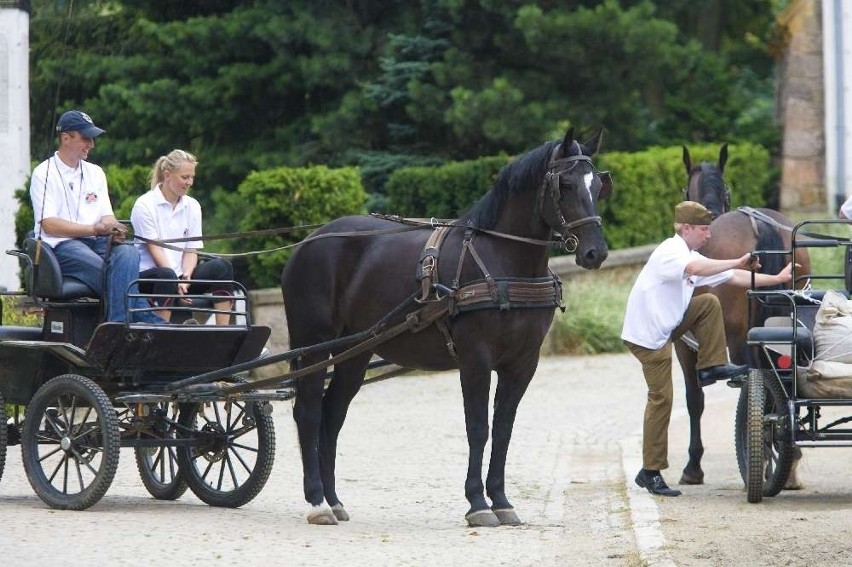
232	457
4	429
763	440
70	442
158	466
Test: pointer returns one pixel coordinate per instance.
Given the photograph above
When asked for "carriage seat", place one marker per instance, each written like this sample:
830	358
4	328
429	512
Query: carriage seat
50	283
778	334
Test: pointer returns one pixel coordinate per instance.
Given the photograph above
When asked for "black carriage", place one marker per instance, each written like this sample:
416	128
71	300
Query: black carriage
777	413
82	389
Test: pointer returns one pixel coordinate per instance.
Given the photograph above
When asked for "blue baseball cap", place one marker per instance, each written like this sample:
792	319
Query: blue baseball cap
76	121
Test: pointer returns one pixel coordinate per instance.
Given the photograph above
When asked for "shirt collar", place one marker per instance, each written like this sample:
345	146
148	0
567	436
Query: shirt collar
64	168
161	199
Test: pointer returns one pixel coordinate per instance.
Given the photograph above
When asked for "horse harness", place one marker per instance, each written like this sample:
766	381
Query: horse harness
490	292
503	293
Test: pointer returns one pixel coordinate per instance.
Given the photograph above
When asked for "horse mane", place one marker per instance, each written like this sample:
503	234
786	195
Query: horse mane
524	173
712	188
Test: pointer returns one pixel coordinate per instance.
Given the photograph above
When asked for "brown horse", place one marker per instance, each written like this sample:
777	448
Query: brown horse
734	233
357	270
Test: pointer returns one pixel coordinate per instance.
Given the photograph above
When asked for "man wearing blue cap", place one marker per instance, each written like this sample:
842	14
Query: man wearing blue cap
73	215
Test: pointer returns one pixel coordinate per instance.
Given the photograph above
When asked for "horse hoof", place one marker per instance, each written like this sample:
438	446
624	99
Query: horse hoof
507	516
321	516
793	482
482	519
690	479
340	512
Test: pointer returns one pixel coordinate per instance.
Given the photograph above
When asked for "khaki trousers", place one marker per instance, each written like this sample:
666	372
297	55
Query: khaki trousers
704	318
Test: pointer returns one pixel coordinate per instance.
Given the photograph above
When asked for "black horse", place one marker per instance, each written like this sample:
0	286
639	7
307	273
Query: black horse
357	270
734	233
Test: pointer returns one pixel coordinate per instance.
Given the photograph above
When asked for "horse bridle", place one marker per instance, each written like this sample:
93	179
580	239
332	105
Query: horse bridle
551	193
727	197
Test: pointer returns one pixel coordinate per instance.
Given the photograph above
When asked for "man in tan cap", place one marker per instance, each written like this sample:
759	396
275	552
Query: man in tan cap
661	308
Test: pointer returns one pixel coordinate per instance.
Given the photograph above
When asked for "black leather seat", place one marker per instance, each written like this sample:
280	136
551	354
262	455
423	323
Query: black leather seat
49	282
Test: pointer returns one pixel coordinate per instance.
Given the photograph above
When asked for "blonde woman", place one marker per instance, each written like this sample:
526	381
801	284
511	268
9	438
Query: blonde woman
166	212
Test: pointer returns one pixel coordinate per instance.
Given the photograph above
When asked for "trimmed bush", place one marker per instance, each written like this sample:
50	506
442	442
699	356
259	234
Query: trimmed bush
444	191
648	184
291	197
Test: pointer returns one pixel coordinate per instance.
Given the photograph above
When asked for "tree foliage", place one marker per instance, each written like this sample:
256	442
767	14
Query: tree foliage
257	84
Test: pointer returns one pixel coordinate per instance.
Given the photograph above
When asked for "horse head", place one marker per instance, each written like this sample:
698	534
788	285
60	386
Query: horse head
569	197
705	183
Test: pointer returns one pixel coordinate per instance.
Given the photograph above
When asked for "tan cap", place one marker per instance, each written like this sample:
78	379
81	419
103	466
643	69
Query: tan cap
690	212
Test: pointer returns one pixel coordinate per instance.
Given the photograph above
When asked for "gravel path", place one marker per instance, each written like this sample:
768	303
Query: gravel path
401	468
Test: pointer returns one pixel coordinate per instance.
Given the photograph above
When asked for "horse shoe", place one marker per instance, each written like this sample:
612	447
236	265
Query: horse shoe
340	513
321	516
482	519
507	516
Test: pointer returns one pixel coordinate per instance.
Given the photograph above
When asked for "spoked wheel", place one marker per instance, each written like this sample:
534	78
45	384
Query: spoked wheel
233	454
70	442
763	438
4	429
158	466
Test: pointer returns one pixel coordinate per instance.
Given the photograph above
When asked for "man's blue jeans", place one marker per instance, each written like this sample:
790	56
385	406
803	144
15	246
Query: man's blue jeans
83	259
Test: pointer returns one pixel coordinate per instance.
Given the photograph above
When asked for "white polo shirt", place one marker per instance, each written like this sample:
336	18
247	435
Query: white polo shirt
73	194
153	217
662	292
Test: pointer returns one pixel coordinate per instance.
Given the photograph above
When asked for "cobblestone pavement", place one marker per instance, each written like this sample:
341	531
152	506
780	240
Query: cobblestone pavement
401	468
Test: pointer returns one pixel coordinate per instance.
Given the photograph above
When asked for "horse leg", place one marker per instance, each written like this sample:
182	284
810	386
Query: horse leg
475	383
510	389
688	358
307	412
348	377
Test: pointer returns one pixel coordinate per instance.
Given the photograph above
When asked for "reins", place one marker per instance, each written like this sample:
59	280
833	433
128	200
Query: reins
755	214
409	225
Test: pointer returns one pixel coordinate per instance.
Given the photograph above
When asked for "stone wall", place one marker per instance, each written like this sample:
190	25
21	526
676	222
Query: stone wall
801	104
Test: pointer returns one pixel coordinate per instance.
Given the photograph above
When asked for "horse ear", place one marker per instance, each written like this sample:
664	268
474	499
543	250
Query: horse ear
569	139
723	157
594	144
687	161
606	185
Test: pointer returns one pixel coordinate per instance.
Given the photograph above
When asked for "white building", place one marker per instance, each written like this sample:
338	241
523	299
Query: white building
837	62
14	127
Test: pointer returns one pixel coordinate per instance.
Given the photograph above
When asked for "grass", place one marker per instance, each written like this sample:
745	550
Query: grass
594	313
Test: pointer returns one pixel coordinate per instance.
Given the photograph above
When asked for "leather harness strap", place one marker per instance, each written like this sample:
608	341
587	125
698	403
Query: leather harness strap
504	293
511	294
427	269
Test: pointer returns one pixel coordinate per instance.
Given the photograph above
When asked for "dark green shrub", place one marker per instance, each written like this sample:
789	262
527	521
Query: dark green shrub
126	184
290	197
444	191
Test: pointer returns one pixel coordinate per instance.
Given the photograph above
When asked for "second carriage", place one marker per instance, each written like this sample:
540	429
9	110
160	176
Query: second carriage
784	405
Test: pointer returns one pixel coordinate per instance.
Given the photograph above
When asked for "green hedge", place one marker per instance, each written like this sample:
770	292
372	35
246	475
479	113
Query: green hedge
288	197
444	191
648	184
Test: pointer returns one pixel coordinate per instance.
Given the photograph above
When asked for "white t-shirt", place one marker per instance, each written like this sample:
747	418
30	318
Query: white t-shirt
662	292
73	194
153	217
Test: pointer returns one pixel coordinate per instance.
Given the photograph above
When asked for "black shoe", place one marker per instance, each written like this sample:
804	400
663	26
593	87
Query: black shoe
653	482
710	375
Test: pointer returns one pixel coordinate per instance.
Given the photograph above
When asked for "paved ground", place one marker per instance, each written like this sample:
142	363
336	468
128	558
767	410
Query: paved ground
401	467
